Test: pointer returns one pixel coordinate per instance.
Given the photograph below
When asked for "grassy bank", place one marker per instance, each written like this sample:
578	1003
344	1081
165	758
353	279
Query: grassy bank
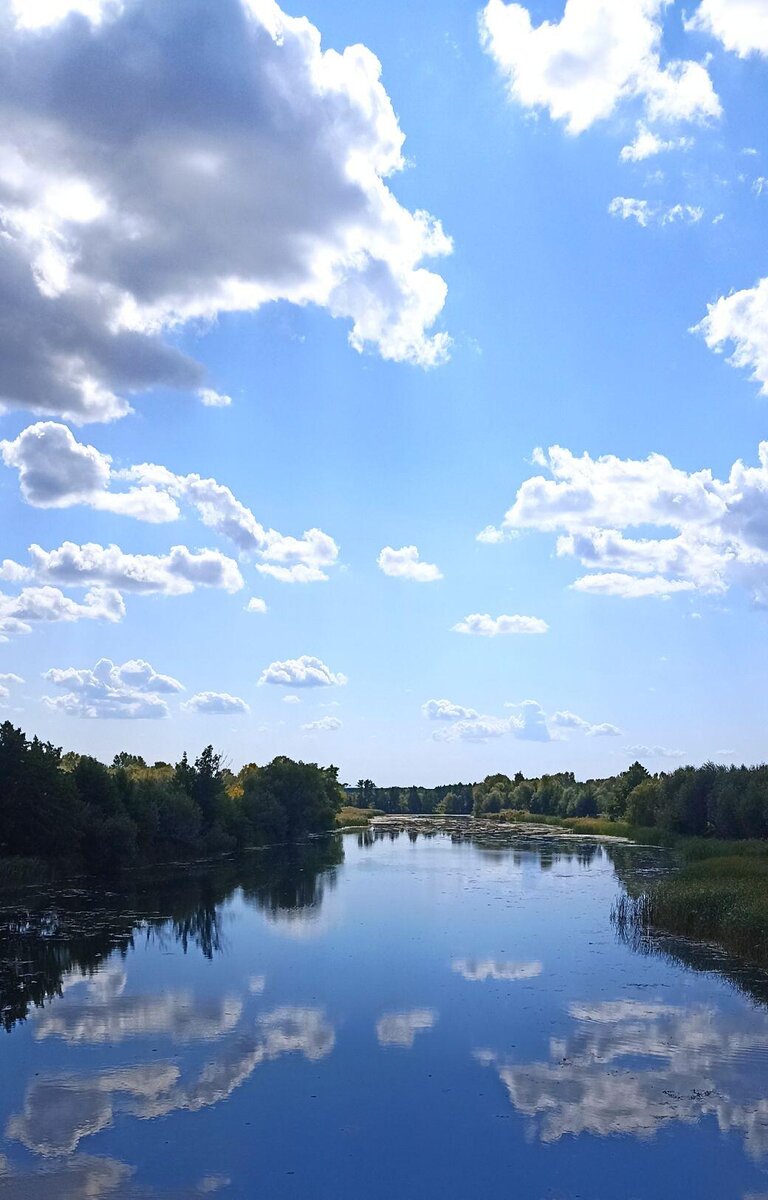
720	895
351	816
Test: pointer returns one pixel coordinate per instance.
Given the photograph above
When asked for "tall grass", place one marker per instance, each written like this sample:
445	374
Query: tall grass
721	895
349	816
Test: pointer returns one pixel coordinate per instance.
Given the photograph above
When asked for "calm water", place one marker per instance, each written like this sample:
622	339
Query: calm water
399	1017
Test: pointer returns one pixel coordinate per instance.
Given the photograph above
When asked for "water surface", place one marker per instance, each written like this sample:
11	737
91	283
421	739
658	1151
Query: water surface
382	1016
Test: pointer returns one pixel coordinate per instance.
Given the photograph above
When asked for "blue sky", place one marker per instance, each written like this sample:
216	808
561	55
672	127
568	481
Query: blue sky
573	279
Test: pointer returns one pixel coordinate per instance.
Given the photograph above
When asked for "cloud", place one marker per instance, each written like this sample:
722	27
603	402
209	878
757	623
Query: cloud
445	710
10	678
57	471
305	671
569	720
253	168
35	605
647	144
478	971
178	572
256	605
530	725
740	320
630	587
400	1028
741	25
177	1015
405	564
213	399
476	729
215	704
132	691
60	1111
323	725
291	700
633	1068
716	531
642	212
484	625
599	55
655	752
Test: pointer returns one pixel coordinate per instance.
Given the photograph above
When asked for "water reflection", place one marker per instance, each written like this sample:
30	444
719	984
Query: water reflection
400	1028
633	1067
60	1111
60	935
479	970
89	1178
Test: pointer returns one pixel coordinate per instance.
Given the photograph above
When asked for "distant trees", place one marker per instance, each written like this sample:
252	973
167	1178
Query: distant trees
74	808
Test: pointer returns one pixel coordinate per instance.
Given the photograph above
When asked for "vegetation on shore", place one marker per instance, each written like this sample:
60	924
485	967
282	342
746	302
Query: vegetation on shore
348	816
73	812
719	895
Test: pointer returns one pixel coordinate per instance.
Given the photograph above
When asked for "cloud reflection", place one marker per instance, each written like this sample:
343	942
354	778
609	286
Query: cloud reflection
632	1067
175	1014
400	1028
60	1111
478	970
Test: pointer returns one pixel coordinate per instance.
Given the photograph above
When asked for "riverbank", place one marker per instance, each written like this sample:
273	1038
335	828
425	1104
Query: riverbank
721	898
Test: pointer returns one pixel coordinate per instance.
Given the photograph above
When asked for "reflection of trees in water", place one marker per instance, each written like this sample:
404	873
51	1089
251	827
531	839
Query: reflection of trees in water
55	932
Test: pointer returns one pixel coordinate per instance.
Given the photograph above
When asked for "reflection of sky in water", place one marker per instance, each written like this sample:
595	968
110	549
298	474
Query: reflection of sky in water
466	1010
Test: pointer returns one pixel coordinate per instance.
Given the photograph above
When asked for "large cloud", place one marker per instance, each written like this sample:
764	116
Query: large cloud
528	722
600	54
741	25
175	573
305	671
632	1067
132	691
35	605
158	171
716	530
57	471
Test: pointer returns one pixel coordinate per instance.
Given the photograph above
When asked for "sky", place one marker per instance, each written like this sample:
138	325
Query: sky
386	385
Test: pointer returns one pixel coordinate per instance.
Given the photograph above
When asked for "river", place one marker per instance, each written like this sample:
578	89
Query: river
387	1014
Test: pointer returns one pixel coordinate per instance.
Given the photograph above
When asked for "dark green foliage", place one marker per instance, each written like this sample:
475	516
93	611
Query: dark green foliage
71	809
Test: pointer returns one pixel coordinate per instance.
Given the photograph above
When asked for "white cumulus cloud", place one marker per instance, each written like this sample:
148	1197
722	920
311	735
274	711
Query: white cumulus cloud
740	321
216	161
179	571
57	471
129	692
597	56
741	25
484	625
305	671
712	533
446	710
215	704
406	564
323	725
47	604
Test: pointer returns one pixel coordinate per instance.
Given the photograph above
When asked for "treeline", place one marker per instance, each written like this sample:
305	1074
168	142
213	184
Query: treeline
73	808
712	800
456	798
